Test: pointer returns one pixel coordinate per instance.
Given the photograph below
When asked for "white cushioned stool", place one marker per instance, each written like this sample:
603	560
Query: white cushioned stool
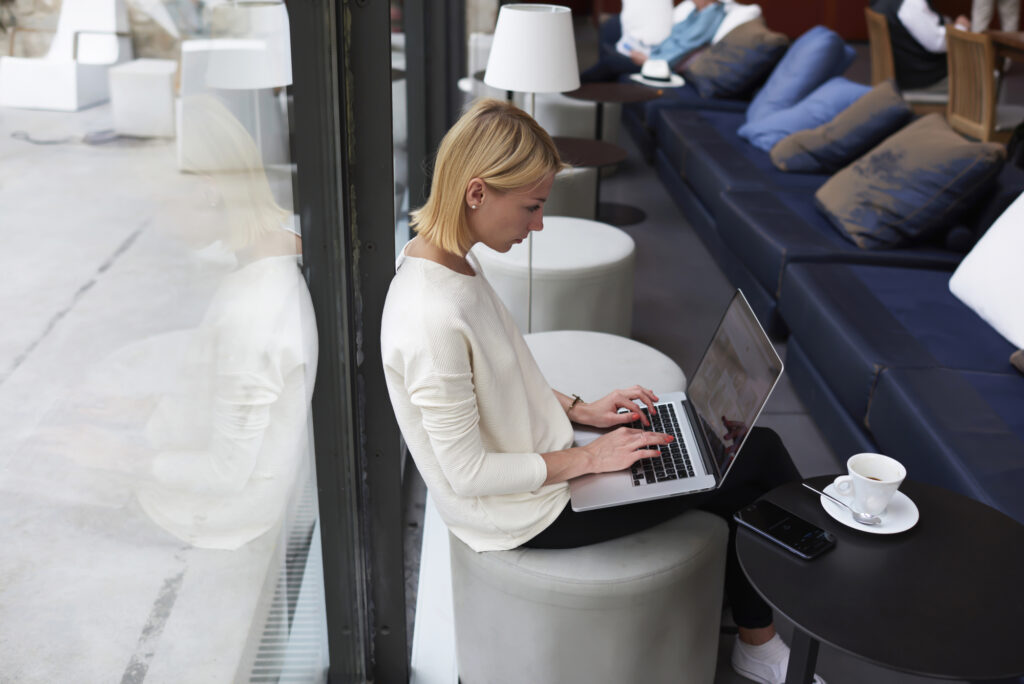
582	277
573	194
642	608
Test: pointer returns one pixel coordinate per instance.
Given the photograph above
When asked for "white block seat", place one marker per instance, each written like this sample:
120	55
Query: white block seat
91	36
142	97
582	277
641	608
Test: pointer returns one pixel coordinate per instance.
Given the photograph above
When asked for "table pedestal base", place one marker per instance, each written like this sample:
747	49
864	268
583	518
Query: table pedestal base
619	214
803	657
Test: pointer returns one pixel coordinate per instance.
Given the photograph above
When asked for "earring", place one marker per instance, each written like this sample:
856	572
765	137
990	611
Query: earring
472	206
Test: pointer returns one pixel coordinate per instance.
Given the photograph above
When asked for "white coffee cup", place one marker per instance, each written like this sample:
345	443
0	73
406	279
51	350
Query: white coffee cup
872	482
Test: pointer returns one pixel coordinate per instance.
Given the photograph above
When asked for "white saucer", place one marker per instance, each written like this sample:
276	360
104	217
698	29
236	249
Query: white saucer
900	515
674	81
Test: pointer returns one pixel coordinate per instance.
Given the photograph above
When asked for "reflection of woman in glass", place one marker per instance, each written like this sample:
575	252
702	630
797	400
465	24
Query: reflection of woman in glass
233	444
491	439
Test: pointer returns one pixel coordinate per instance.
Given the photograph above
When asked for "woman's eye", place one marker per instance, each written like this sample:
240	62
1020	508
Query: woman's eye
533	208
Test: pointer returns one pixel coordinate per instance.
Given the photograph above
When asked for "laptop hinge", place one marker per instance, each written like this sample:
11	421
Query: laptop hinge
706	454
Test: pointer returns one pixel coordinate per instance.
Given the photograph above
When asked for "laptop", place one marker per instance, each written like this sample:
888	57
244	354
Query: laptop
710	421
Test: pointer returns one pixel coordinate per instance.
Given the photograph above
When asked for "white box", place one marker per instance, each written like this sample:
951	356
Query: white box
142	97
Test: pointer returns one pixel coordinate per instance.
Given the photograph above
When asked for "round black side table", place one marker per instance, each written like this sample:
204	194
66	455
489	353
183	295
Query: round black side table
624	93
943	599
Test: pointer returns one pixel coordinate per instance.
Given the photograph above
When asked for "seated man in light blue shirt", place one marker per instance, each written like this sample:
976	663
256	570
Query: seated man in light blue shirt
691	33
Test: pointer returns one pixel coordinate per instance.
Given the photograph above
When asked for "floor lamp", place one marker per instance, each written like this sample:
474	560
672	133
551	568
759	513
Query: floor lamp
534	51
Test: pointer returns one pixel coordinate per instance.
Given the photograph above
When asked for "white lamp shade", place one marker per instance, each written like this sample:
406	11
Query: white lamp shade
534	50
261	56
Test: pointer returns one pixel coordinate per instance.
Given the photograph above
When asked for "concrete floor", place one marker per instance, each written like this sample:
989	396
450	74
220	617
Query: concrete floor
102	284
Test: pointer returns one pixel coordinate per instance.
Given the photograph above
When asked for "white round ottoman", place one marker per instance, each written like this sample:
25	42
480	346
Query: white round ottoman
642	608
574	194
582	277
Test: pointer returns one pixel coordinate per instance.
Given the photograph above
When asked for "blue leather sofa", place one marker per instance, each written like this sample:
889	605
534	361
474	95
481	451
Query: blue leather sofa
885	358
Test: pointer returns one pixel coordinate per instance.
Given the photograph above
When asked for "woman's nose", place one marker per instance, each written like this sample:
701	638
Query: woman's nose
538	220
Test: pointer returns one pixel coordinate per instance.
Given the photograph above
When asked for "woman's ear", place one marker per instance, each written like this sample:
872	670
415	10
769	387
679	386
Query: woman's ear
475	193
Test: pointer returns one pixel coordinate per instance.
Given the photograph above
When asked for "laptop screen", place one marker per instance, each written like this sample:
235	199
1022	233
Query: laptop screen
733	380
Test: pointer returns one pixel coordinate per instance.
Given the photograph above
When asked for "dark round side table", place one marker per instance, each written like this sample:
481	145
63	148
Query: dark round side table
623	93
943	599
587	152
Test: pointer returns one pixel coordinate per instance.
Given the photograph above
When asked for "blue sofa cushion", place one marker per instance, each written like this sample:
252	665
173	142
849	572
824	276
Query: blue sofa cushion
854	321
963	430
735	65
853	131
770	229
1007	187
903	191
819	107
813	58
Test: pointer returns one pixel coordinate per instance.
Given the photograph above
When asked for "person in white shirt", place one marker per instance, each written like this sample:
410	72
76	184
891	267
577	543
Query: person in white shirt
918	35
493	442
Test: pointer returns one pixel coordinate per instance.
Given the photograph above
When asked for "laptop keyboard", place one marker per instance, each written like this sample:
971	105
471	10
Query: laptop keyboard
674	463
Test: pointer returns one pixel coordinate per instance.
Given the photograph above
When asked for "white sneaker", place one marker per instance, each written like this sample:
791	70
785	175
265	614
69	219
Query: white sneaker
765	663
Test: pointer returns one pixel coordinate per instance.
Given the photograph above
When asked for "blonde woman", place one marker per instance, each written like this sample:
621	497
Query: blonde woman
493	442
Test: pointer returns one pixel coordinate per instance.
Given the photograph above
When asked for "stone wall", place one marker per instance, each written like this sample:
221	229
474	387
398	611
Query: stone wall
149	39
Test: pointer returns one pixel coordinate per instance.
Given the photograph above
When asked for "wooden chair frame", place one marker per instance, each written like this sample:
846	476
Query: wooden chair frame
883	64
883	67
972	85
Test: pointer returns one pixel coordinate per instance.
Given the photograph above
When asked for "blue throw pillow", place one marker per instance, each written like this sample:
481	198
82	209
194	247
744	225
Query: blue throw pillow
854	131
911	187
813	58
821	106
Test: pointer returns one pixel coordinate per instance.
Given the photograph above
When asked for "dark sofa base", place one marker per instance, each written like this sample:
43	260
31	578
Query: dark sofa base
761	301
843	434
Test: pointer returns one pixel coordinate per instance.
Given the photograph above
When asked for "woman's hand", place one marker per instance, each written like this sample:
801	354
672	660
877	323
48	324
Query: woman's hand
616	450
605	412
621	448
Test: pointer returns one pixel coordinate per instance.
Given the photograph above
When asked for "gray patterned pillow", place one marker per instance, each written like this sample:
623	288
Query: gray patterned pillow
854	131
910	186
735	65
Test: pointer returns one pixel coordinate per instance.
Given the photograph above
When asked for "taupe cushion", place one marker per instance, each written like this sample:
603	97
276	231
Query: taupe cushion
854	131
910	186
738	63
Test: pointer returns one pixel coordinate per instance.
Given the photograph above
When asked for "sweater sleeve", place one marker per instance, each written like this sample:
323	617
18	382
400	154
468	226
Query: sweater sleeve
696	30
924	24
448	405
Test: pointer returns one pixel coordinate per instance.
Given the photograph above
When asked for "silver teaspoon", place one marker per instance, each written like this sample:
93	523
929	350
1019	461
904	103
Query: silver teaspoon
862	518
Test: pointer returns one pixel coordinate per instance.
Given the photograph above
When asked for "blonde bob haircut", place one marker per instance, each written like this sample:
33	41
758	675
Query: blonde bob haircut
220	147
496	142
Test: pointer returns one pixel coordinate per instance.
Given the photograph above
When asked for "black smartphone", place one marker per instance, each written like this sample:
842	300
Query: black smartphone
785	529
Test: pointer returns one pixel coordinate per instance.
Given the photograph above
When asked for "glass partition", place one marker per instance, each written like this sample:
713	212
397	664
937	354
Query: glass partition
160	349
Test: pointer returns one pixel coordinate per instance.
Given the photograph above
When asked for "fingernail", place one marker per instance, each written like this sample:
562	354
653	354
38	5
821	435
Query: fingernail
671	438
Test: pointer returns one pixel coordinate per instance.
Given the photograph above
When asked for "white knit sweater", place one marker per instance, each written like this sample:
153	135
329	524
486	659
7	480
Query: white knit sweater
473	406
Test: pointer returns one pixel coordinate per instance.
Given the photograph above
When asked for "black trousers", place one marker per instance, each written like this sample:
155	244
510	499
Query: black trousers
765	464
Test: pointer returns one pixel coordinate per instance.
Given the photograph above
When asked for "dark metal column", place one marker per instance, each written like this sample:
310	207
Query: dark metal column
435	51
343	151
320	187
369	219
